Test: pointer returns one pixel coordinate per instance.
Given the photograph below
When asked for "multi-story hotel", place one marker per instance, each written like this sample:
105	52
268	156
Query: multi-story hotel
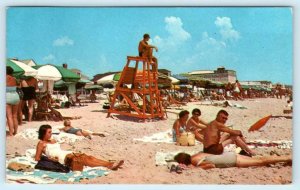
220	75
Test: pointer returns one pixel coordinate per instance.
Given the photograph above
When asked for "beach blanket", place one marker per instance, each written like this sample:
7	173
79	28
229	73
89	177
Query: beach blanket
281	144
47	177
162	137
60	137
236	105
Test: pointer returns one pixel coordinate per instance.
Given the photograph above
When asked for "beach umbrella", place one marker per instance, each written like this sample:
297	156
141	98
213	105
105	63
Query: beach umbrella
174	80
260	123
181	78
21	68
55	73
93	87
112	78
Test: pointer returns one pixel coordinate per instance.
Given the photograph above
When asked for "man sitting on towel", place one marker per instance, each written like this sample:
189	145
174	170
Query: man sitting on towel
214	142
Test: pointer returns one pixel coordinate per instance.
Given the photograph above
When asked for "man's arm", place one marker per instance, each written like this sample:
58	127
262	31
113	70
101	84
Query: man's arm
149	46
223	128
203	122
198	125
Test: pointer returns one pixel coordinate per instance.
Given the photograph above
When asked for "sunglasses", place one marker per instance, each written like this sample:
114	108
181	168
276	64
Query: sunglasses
224	118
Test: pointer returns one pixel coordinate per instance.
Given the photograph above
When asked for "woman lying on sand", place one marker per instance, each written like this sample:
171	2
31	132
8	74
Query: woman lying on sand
80	132
52	150
228	159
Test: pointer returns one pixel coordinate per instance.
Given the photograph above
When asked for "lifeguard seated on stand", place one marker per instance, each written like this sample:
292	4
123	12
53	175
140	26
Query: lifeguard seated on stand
145	50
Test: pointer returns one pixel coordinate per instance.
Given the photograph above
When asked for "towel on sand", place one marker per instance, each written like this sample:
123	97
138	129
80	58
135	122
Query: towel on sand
162	137
46	177
281	144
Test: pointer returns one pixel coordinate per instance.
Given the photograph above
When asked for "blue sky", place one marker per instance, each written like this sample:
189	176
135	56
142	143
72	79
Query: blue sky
255	42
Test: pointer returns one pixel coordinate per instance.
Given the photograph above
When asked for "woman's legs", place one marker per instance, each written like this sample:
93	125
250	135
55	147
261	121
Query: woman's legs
9	118
30	109
15	118
20	112
245	161
91	161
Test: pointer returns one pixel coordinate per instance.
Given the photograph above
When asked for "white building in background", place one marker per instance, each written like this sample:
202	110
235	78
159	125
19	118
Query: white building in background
265	84
220	75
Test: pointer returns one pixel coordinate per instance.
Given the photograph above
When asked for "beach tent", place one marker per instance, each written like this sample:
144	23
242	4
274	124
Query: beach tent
55	73
20	68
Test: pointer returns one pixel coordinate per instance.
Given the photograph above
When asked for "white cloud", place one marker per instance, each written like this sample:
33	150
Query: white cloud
176	35
63	41
49	58
174	27
209	42
226	29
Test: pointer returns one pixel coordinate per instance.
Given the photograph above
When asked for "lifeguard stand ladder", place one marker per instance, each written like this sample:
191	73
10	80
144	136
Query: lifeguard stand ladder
143	84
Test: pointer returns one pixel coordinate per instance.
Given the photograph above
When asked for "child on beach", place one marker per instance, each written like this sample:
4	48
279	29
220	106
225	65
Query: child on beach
76	131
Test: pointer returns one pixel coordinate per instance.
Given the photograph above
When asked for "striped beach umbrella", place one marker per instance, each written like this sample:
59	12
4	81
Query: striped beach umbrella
20	68
55	73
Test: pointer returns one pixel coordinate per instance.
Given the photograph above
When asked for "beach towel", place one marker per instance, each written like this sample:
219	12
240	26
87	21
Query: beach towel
47	177
281	144
162	137
60	137
235	105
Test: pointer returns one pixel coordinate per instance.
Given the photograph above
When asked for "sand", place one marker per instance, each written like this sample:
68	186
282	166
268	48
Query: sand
140	167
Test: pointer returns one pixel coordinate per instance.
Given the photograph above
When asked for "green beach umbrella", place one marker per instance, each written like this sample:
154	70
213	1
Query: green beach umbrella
55	73
20	68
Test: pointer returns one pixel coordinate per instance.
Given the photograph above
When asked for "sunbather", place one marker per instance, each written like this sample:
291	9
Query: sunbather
196	125
180	124
229	159
214	142
76	131
52	150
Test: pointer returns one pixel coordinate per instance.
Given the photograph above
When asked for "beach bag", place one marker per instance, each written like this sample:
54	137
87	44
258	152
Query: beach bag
106	105
186	139
49	165
74	161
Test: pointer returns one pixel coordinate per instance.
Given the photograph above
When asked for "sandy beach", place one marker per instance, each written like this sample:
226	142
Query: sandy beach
140	164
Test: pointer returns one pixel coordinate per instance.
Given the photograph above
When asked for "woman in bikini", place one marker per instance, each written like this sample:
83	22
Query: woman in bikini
52	150
196	125
29	87
12	102
229	159
76	131
180	124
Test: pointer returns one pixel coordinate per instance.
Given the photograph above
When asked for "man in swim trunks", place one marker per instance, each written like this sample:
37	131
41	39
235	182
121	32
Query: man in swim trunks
145	50
214	142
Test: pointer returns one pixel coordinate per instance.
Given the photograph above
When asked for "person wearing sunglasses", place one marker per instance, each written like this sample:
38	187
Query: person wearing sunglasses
214	142
196	125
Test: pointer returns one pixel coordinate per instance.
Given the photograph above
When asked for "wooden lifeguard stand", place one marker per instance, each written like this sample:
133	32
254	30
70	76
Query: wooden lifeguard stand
142	80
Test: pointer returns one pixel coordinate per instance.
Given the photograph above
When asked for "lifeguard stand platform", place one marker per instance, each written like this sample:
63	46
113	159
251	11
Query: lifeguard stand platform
138	86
